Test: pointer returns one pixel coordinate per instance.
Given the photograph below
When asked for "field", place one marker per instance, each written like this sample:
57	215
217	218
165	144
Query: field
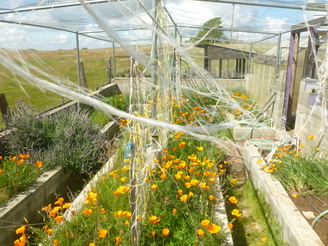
63	65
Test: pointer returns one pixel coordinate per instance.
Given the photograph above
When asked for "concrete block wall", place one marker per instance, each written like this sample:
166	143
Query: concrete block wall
144	85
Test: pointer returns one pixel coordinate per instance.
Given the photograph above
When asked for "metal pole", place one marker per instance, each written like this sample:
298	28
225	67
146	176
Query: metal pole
232	19
250	58
113	65
278	55
78	64
154	62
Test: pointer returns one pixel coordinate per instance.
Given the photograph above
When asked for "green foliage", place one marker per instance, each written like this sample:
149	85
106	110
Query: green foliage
120	102
16	174
69	139
211	36
302	174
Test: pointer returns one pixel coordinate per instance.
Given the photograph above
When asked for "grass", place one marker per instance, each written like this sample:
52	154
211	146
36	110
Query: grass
256	226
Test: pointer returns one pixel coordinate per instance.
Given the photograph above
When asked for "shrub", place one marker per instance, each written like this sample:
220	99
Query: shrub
69	139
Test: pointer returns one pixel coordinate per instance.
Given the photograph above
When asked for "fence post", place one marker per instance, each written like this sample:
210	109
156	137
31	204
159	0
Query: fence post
82	76
108	71
4	107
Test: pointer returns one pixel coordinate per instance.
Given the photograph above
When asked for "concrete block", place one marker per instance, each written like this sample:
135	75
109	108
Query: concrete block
250	133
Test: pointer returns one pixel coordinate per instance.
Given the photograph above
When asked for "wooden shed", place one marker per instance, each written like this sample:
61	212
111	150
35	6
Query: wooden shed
232	63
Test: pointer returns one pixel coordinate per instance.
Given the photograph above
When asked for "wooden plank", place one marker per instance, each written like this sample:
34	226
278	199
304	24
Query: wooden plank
4	107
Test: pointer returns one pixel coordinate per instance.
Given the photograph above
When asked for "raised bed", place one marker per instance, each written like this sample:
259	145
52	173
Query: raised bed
47	187
295	229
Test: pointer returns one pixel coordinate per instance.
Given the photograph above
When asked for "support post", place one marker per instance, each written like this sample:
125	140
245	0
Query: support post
113	61
154	62
291	78
83	78
78	64
250	58
278	55
313	46
133	199
4	108
108	72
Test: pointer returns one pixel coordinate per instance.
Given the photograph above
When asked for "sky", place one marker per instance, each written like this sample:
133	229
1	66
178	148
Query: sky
130	14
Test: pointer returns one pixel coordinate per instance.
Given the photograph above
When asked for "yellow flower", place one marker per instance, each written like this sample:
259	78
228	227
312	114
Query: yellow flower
153	233
194	182
56	243
102	233
154	219
310	137
38	163
91	244
264	239
18	162
127	214
59	219
200	232
59	201
230	226
21	230
236	213
184	198
67	205
179	175
102	210
205	223
213	228
182	144
233	199
123	179
54	211
200	148
190	194
188	184
163	176
233	181
87	211
211	197
118	239
1	172
174	211
166	232
153	187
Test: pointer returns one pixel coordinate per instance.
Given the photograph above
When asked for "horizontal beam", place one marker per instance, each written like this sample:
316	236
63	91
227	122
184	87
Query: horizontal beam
229	29
267	5
45	7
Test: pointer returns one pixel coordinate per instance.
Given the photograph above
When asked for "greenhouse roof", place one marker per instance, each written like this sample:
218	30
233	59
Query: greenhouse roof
131	20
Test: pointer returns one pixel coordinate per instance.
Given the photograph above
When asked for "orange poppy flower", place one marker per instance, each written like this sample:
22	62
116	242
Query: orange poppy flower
166	232
102	233
200	232
205	223
213	228
21	230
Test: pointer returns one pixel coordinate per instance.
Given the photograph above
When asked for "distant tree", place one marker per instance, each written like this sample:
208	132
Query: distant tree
212	36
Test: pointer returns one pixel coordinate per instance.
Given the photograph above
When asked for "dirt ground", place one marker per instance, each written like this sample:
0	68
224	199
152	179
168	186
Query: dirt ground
316	205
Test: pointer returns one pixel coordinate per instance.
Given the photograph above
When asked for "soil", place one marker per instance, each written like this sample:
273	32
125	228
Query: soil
316	205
